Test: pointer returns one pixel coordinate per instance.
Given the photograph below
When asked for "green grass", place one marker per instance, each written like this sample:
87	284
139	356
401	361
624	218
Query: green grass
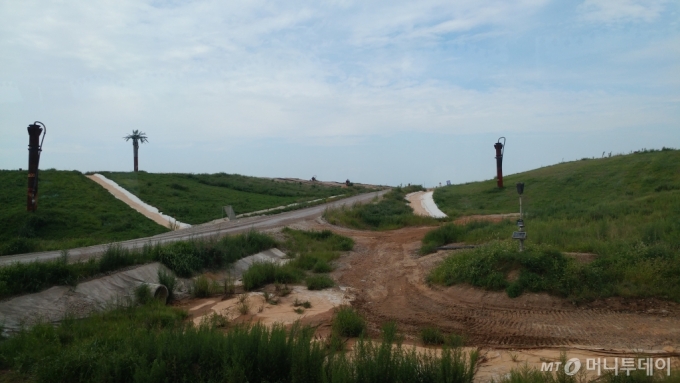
625	209
73	211
310	250
154	343
347	322
260	274
185	258
390	212
319	282
638	271
585	206
198	198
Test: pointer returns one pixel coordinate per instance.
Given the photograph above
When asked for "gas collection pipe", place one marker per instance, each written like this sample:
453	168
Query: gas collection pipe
34	149
500	149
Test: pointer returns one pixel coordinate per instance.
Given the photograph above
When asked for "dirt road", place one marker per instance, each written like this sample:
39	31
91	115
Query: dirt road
388	279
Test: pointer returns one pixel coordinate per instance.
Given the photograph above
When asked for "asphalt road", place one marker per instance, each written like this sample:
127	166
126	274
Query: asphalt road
205	230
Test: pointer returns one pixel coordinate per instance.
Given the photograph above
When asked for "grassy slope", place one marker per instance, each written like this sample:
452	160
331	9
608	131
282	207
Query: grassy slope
585	205
389	213
72	211
198	198
626	209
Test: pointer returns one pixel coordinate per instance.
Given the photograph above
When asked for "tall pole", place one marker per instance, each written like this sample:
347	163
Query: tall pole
34	149
135	146
499	161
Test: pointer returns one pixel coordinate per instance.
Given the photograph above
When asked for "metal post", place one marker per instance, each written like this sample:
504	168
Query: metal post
521	228
34	149
500	149
520	235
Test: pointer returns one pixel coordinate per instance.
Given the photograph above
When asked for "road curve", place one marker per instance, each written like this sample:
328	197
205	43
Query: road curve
199	231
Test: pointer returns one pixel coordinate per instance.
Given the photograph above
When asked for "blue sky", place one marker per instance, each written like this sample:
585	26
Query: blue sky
382	92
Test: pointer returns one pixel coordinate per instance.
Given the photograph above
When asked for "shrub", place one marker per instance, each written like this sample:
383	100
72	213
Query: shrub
432	336
143	294
262	273
202	287
319	282
321	266
169	281
347	322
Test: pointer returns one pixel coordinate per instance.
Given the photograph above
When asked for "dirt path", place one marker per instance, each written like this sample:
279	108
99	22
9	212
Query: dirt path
388	280
422	204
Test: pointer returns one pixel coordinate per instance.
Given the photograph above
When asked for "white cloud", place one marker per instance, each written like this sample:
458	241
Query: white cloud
613	11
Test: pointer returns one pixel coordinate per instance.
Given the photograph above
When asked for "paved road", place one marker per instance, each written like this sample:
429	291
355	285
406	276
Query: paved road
221	228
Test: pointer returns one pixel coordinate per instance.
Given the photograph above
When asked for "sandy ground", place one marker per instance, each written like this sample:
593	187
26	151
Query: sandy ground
422	204
148	211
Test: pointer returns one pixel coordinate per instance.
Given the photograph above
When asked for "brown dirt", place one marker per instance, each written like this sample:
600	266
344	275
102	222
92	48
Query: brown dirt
384	279
388	280
385	276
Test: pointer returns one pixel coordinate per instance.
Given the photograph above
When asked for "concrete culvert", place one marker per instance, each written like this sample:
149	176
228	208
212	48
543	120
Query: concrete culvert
159	292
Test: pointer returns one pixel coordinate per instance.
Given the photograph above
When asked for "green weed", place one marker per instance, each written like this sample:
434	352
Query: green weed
348	323
319	282
391	212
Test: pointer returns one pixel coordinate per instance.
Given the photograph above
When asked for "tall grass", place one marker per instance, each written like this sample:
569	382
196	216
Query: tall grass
184	258
638	271
390	212
263	273
389	361
347	322
153	343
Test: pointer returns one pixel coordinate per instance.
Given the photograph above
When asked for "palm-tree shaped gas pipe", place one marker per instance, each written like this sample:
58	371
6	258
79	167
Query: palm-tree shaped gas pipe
34	149
136	138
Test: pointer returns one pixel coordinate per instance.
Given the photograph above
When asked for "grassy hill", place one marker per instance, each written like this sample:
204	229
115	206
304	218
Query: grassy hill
198	198
625	209
585	205
72	211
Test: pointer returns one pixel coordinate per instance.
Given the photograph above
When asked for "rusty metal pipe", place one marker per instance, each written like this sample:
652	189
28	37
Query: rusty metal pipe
34	149
500	149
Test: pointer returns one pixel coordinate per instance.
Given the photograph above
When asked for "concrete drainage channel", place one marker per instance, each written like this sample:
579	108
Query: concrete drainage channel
53	304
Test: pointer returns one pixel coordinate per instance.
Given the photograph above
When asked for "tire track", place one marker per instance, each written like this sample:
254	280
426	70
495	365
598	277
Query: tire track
392	286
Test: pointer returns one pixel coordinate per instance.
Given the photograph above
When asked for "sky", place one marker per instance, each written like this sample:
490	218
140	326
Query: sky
383	92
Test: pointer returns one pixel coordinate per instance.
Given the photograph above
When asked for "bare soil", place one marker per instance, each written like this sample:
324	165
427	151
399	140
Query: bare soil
384	278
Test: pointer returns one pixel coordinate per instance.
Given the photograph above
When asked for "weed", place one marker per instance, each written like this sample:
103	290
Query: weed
391	212
305	304
299	310
637	271
262	273
169	281
242	306
153	343
348	323
202	287
432	336
228	286
282	291
143	294
319	282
